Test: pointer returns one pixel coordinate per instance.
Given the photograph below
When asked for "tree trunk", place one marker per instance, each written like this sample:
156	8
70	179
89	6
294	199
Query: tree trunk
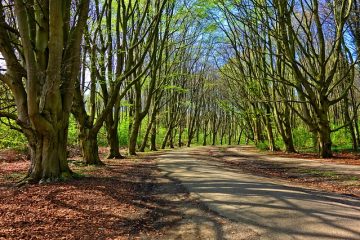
48	157
113	138
325	143
146	136
239	139
288	141
197	133
230	138
180	137
222	136
257	131
171	142
89	147
356	118
190	137
351	125
148	130
324	136
283	123
205	136
153	137
269	130
214	137
167	135
133	136
356	128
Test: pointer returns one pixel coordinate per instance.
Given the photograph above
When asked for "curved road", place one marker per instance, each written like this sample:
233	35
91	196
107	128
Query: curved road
271	208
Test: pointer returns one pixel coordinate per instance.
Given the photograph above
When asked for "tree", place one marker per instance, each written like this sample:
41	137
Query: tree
132	49
42	54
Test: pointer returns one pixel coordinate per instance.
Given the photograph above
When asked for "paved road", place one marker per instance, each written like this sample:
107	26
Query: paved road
271	208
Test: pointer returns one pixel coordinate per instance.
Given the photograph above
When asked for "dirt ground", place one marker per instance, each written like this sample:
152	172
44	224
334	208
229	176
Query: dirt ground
108	202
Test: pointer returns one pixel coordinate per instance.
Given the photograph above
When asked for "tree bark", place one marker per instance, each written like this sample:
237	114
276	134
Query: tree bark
113	140
167	135
153	137
351	125
113	137
134	134
42	77
324	135
89	147
48	156
148	130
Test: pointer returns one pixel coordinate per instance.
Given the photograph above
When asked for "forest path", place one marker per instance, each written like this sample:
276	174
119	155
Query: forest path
272	208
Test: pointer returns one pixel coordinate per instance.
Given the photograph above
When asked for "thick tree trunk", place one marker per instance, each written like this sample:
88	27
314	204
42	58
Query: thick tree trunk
48	157
324	137
288	141
113	139
89	147
325	143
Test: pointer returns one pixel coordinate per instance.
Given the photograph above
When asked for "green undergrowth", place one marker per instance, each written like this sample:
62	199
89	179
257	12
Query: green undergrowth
328	174
15	176
303	139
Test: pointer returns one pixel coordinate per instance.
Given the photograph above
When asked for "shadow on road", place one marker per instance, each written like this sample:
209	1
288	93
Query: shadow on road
271	208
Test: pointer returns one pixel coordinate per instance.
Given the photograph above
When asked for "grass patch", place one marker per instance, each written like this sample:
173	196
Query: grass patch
78	176
319	173
15	176
81	169
329	175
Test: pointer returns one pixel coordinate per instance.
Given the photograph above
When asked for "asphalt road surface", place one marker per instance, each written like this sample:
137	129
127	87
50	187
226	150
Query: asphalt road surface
272	208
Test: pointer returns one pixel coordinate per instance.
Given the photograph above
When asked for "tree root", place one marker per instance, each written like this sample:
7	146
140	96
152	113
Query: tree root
64	176
26	180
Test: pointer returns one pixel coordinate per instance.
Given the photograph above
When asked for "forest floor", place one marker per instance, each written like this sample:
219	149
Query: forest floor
114	201
135	199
